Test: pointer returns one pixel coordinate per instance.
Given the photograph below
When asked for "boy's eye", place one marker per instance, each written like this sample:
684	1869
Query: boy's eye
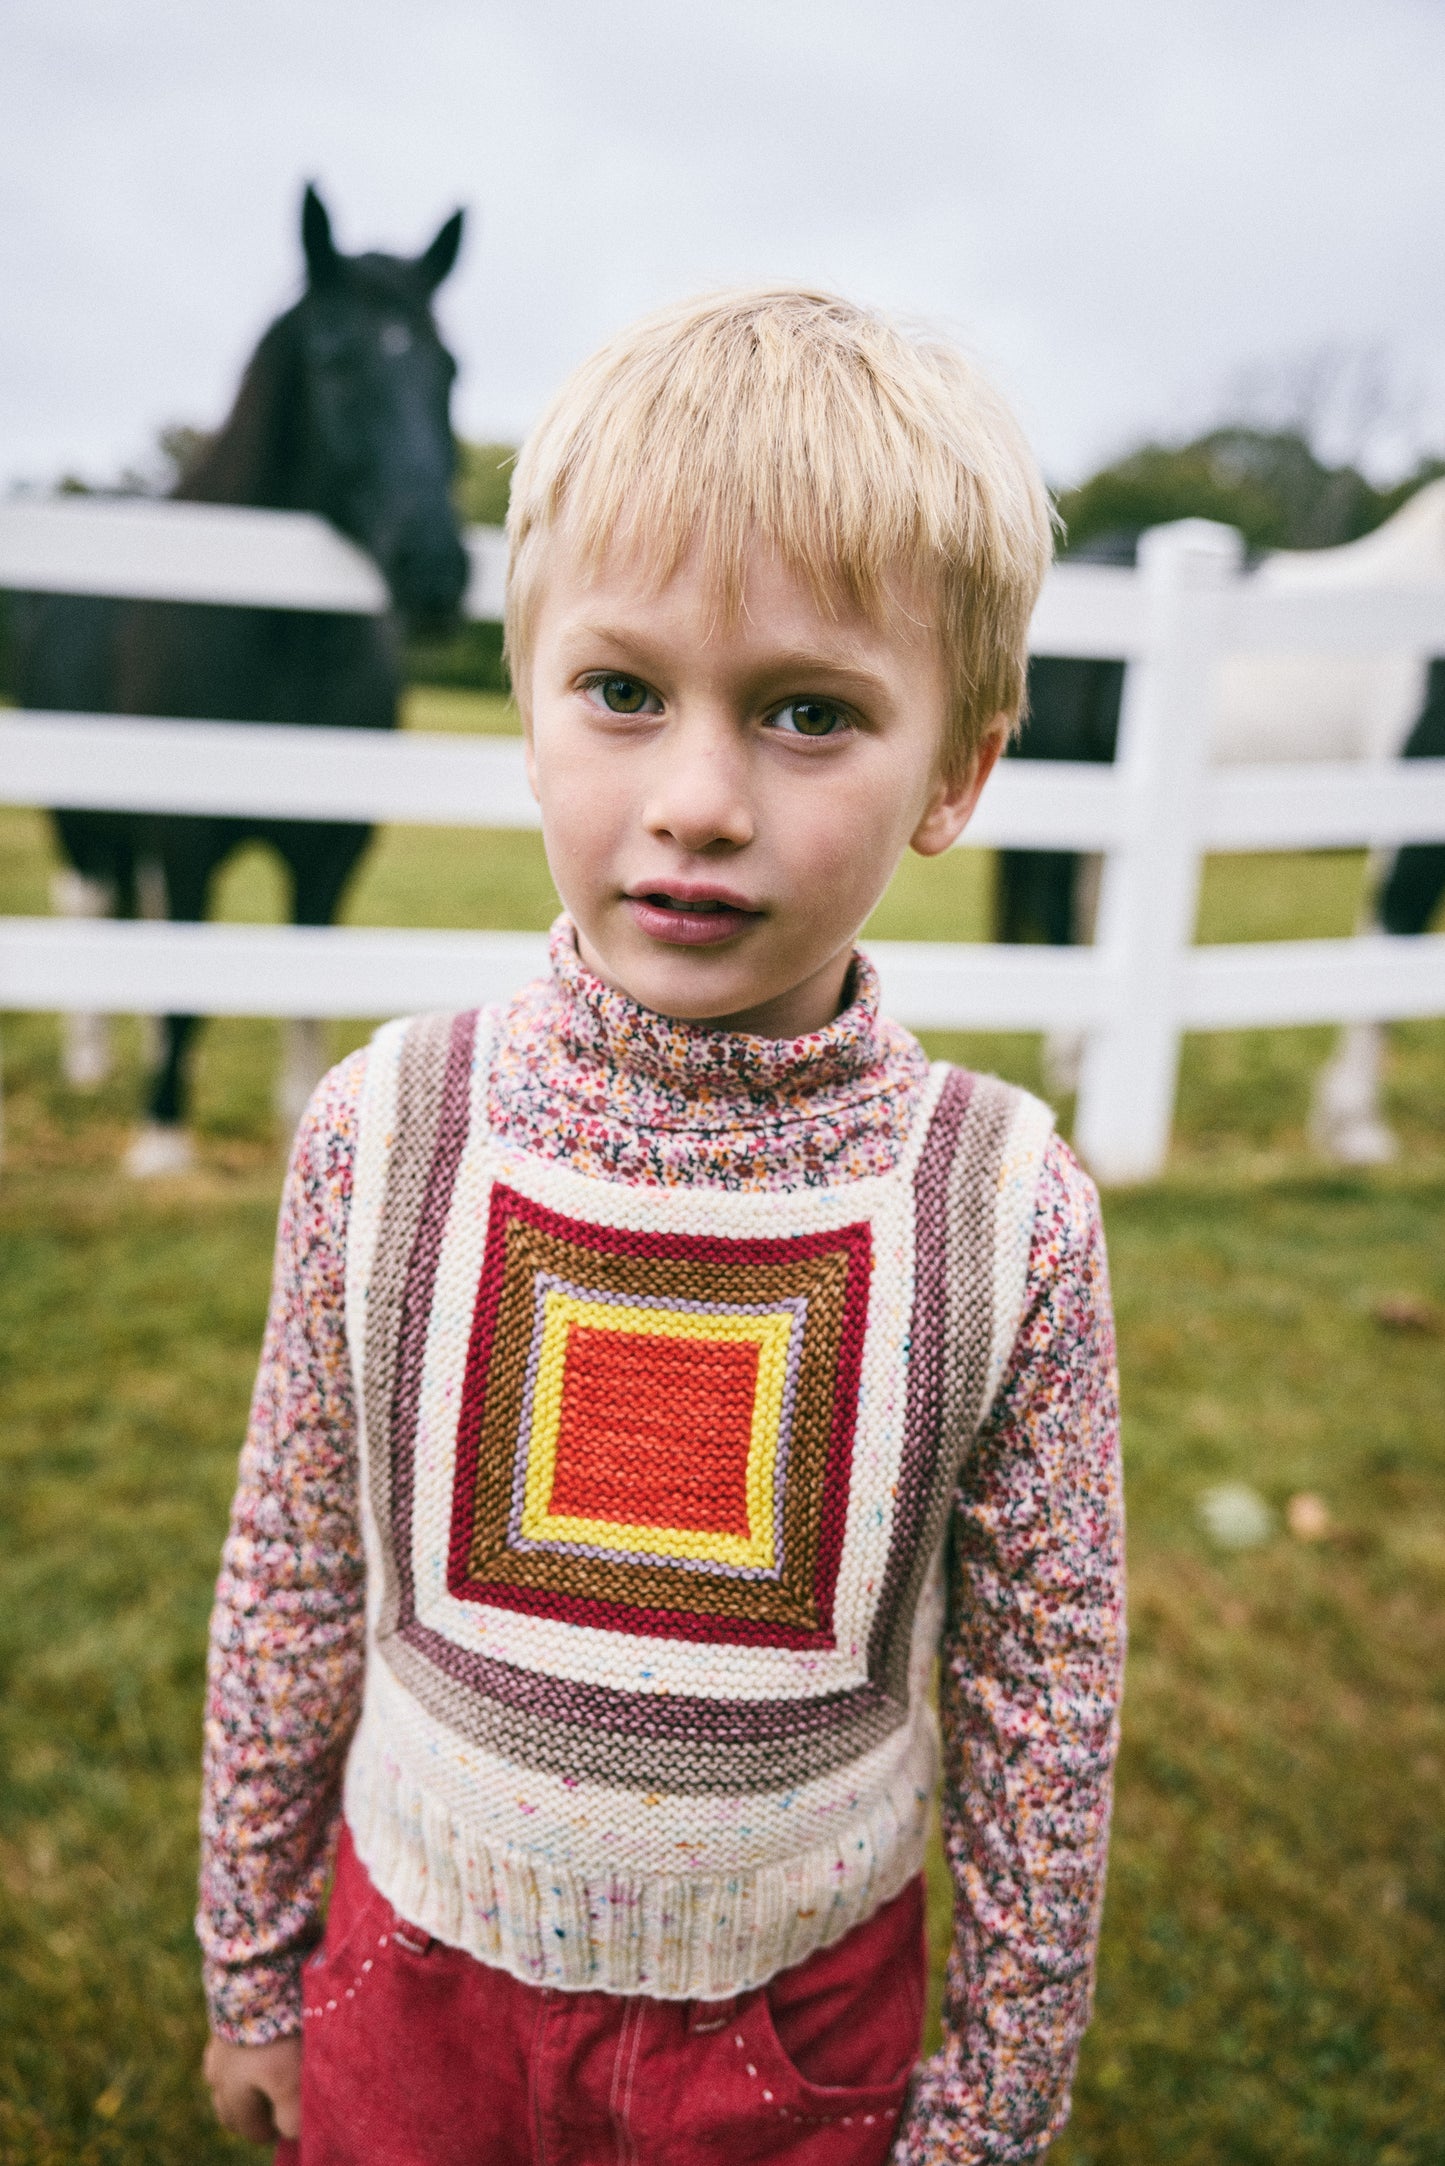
811	718
621	695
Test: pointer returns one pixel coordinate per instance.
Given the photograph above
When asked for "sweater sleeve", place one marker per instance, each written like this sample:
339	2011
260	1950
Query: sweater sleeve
287	1632
1029	1695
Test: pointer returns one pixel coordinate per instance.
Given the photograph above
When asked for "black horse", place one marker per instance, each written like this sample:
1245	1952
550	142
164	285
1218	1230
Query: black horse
344	410
1073	714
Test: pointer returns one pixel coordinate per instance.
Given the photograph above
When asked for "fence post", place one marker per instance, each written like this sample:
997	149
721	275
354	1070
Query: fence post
1150	889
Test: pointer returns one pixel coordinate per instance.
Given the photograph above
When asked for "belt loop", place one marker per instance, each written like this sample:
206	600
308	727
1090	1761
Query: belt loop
704	2016
410	1937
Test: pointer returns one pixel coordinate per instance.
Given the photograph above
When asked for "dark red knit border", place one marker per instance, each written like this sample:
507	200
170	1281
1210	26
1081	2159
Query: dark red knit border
856	1244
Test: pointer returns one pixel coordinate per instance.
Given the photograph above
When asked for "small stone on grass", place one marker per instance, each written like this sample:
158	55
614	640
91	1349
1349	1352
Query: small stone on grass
1407	1313
1307	1517
1235	1516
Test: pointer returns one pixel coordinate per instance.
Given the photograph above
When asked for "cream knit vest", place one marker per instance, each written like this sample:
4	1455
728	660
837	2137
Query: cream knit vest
655	1483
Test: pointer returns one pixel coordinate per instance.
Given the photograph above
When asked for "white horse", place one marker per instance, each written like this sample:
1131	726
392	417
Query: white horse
1283	707
1340	707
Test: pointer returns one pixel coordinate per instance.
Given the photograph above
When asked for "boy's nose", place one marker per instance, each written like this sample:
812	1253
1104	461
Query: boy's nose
699	796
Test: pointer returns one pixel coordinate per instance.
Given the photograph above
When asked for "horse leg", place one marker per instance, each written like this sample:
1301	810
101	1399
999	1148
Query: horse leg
305	1058
321	862
1011	893
1345	1123
151	902
1415	885
96	881
1063	1050
164	1145
1061	881
85	1050
1345	1118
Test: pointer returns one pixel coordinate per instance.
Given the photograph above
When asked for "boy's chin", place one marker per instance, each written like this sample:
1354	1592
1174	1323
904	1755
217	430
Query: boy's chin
728	987
688	985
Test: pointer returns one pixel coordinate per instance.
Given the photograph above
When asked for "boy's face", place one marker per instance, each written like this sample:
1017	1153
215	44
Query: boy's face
725	800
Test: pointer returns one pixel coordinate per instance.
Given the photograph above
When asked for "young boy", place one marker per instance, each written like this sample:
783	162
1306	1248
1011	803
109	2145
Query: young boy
663	1370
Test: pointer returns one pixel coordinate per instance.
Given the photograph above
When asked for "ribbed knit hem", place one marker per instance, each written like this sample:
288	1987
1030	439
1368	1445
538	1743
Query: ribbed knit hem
675	1937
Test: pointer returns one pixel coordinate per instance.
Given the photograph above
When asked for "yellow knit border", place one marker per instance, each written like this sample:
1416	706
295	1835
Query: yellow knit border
770	1334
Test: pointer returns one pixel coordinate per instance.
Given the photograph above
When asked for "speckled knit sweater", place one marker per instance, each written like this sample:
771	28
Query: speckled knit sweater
611	1713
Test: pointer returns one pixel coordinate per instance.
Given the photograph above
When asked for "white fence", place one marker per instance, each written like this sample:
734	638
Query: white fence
1155	813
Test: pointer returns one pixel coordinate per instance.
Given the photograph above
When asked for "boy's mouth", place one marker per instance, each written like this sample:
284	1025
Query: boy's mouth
689	917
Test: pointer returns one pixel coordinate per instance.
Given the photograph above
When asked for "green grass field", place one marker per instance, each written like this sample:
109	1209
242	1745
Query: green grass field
1272	1979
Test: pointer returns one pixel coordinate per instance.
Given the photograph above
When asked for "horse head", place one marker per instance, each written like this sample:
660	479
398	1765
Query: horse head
371	388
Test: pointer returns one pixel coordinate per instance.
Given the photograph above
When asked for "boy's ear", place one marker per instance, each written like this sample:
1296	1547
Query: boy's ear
952	804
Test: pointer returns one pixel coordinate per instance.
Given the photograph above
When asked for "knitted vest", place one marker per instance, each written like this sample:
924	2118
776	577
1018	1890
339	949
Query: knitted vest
655	1484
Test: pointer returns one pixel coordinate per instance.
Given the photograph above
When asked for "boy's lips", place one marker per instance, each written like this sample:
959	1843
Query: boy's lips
689	916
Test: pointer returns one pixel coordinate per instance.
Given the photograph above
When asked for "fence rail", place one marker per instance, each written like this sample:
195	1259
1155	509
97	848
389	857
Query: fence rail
226	553
262	770
1154	813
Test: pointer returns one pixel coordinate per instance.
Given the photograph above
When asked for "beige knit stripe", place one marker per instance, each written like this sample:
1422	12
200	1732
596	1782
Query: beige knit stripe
375	1122
1020	1166
969	1232
420	1086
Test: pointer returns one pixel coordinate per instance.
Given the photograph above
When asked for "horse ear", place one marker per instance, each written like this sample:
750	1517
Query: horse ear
436	262
322	257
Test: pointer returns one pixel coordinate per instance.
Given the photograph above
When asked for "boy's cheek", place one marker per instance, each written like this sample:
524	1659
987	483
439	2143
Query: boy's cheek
583	847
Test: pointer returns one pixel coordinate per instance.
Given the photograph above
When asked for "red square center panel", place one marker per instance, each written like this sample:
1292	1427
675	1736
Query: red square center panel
655	1431
686	1477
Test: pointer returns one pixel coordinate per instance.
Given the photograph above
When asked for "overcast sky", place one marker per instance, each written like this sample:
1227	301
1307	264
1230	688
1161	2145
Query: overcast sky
1123	206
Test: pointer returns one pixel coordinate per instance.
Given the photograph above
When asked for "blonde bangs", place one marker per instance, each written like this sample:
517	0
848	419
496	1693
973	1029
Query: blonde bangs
863	455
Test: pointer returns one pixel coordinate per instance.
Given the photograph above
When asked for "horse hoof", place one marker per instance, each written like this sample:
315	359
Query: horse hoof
158	1151
85	1051
1358	1143
1062	1058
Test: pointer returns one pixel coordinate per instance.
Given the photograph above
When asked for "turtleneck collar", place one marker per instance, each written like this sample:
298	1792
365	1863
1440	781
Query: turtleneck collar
583	1073
709	1068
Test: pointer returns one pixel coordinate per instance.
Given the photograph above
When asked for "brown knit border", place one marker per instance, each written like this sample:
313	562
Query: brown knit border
494	1564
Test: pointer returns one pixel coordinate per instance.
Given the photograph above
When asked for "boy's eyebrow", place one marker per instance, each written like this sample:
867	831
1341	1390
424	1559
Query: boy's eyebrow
790	662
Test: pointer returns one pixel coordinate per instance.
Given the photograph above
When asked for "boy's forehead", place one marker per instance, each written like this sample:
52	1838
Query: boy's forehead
758	599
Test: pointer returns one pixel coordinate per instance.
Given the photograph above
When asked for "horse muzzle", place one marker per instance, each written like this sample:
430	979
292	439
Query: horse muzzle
427	569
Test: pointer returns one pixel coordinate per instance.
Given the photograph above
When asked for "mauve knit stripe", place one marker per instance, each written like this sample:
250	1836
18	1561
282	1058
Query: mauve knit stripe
414	1117
970	1229
925	1356
560	1729
637	1714
416	1301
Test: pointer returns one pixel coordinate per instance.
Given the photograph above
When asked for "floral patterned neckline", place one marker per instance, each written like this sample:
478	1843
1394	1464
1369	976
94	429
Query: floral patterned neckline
597	1022
585	1074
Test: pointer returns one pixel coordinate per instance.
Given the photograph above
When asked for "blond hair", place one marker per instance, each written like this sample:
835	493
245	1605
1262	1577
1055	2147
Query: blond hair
857	450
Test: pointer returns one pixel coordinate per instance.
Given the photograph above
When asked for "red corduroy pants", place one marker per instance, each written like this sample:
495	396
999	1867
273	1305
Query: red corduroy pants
415	2054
